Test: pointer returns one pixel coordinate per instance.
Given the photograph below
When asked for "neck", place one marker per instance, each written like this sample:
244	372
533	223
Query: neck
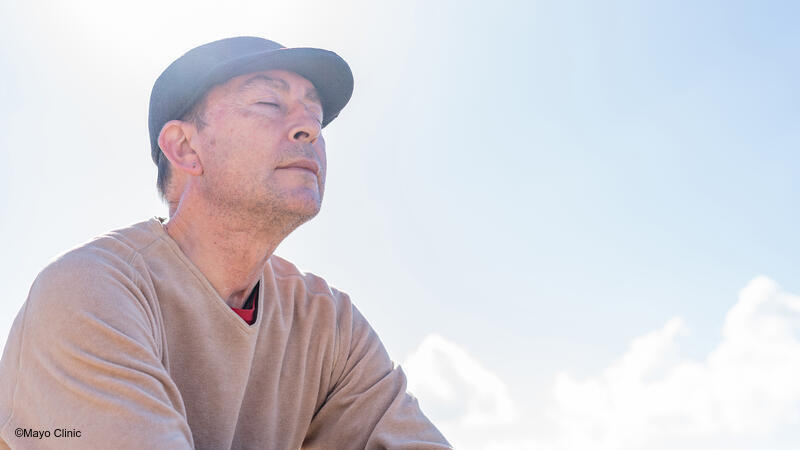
229	252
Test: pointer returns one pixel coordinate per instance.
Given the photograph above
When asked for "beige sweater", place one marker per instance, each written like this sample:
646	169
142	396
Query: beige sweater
124	341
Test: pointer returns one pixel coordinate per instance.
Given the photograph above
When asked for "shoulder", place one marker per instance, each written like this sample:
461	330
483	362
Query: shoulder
312	296
102	275
315	302
112	254
305	286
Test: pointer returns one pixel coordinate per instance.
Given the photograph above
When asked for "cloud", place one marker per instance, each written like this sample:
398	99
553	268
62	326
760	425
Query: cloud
652	396
457	389
467	402
747	386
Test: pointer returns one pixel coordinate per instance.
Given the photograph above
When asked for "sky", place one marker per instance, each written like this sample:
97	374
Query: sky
571	222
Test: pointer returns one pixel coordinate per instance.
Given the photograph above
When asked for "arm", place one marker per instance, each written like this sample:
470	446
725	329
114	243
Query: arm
82	355
368	407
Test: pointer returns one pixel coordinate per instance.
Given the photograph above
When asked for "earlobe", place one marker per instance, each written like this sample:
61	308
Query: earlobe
175	143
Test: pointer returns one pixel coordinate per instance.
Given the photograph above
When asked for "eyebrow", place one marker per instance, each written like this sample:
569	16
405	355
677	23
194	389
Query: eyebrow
279	84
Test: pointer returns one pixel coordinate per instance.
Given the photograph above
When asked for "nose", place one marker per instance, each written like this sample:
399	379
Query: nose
306	129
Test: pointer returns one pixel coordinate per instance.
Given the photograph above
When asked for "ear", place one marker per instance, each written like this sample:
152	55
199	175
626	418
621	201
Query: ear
175	142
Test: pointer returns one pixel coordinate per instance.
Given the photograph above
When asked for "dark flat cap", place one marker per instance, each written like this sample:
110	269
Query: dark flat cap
189	77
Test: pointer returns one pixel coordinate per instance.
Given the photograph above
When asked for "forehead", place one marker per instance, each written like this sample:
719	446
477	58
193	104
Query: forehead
282	81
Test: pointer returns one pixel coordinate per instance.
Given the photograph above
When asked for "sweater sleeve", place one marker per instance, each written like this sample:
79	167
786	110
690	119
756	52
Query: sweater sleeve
84	364
368	407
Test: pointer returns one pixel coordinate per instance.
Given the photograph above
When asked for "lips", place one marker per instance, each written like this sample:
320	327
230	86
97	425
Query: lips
306	164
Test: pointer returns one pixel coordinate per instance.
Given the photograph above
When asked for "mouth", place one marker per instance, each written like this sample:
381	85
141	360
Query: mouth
304	164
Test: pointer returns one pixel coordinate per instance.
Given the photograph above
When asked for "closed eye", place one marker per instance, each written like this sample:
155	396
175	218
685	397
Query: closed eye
269	103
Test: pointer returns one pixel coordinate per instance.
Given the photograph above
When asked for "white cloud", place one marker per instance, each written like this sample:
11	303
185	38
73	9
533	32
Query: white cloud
468	402
459	390
746	389
747	386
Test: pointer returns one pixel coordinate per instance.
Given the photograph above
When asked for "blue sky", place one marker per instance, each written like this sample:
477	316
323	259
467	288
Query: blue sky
536	183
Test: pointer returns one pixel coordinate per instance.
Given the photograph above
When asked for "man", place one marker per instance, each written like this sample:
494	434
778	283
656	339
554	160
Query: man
190	332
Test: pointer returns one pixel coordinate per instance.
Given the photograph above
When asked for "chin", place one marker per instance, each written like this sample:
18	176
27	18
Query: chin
304	214
306	206
291	207
296	217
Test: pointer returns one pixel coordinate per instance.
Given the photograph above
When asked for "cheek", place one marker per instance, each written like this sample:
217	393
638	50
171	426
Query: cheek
222	160
245	148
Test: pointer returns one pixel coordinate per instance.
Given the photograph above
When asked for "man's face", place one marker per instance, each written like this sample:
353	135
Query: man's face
261	149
